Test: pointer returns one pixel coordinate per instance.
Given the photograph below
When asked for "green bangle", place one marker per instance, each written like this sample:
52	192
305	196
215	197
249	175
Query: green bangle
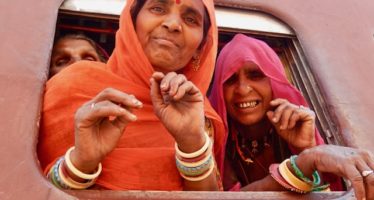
316	178
320	188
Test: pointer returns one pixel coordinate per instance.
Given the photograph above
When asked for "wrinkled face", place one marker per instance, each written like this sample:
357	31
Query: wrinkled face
247	94
170	32
68	51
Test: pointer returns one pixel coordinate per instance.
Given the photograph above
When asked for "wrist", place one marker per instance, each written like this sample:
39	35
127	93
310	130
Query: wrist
82	163
305	162
191	143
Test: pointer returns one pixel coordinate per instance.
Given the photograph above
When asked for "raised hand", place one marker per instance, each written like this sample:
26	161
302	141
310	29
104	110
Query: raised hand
353	164
295	124
99	124
179	105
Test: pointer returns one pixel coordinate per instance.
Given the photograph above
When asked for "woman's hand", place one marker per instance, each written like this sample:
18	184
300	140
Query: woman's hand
99	124
179	105
346	162
295	124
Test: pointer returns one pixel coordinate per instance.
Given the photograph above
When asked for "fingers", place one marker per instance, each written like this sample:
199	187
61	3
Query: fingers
352	173
93	112
156	97
364	164
108	108
286	115
109	103
173	86
117	97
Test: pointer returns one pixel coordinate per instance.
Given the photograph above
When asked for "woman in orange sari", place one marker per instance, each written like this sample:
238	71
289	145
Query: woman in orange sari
139	122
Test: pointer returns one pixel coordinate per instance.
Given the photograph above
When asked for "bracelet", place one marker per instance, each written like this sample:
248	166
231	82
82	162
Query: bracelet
322	188
207	153
196	153
54	176
72	184
316	178
292	179
193	164
274	173
196	170
199	178
78	173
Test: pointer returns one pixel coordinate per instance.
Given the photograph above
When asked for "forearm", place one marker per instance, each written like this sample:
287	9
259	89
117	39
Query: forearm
265	184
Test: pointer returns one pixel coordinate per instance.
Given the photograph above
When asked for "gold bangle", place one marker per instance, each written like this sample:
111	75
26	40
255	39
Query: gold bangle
74	184
199	178
292	179
196	153
78	173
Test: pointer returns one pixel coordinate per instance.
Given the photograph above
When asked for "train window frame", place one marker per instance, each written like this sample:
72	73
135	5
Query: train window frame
303	78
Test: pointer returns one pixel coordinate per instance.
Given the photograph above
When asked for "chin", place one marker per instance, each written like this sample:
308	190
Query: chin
249	120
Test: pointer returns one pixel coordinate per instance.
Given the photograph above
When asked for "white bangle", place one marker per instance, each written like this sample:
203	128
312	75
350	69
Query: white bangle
74	184
78	173
196	153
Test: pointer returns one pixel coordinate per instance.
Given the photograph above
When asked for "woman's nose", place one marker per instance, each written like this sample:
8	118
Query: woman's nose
243	88
172	23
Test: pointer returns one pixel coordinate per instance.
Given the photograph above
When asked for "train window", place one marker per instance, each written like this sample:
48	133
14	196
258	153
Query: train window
99	20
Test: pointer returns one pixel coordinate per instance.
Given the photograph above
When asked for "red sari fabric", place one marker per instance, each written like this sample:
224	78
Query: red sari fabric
243	49
144	158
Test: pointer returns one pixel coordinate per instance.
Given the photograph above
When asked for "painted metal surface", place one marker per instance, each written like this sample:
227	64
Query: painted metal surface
337	37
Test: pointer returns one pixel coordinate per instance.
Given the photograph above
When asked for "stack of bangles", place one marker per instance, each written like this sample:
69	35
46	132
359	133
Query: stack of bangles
296	183
198	165
59	176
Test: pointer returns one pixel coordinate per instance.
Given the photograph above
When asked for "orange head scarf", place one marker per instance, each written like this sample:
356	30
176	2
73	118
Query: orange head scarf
144	158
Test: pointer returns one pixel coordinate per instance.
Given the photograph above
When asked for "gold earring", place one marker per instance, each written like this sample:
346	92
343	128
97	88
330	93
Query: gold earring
196	63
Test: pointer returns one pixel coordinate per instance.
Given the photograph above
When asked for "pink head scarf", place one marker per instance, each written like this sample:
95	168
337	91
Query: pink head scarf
242	49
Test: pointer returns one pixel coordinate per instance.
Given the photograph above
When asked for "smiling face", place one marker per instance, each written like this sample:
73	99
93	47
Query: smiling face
68	51
247	94
170	32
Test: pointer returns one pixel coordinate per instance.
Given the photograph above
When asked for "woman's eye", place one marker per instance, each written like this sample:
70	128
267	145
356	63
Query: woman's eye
190	20
232	80
157	10
255	75
90	58
61	62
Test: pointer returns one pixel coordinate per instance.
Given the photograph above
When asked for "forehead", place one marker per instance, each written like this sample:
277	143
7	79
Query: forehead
249	66
72	43
189	5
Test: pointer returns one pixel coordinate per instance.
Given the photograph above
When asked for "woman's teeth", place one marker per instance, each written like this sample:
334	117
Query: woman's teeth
250	104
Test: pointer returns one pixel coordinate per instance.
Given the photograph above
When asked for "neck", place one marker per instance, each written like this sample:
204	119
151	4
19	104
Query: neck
254	131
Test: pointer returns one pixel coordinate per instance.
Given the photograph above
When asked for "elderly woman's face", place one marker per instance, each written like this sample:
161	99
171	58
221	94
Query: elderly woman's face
68	51
247	94
170	32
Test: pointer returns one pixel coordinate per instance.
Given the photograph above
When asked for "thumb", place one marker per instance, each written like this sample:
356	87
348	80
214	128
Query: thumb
270	115
156	97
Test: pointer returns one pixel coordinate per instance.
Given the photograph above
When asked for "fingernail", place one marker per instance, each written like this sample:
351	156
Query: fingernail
122	110
274	119
136	102
163	86
133	117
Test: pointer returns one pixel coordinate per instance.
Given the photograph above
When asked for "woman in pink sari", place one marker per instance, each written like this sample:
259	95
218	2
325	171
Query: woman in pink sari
266	119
